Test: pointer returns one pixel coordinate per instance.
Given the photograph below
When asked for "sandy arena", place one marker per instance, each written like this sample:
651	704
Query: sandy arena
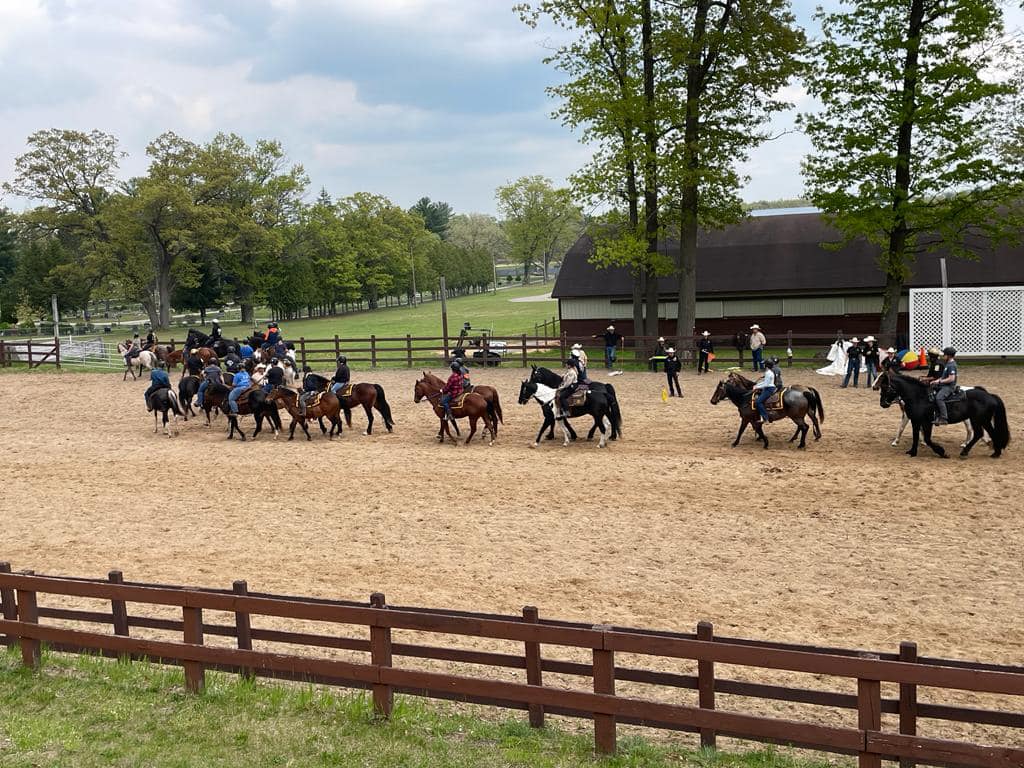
848	543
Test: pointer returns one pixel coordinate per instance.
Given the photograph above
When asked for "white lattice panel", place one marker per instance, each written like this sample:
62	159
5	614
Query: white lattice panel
976	321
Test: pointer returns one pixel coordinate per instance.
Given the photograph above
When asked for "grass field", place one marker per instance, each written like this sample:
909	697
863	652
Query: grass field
87	712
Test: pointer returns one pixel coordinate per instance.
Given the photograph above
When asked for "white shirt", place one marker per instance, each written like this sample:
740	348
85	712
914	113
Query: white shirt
767	381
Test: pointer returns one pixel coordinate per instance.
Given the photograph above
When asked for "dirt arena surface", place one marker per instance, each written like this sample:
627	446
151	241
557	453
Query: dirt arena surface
848	543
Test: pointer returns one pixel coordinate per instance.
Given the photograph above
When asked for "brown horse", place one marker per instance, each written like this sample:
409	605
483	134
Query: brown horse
488	393
328	408
369	396
472	406
795	405
257	403
817	408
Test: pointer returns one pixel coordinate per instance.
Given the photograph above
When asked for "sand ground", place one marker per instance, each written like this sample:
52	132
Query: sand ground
848	543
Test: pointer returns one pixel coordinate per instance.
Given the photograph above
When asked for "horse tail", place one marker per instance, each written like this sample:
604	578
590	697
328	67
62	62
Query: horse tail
497	407
383	406
491	412
1001	429
613	407
818	405
173	400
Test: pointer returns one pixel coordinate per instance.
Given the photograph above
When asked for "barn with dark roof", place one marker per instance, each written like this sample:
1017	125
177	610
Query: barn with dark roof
773	270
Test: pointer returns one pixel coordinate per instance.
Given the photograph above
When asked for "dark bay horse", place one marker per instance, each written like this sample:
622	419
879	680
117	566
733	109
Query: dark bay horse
472	406
163	400
796	405
328	407
369	396
816	412
985	411
188	387
256	402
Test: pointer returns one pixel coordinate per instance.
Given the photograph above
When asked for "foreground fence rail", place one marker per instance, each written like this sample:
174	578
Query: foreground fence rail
28	621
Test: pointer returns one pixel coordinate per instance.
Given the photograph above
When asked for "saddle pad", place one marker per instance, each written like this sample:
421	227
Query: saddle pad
346	391
773	403
579	397
458	401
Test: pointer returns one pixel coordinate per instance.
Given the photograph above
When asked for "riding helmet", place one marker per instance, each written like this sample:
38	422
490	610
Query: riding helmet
769	363
455	366
342	359
949	351
274	361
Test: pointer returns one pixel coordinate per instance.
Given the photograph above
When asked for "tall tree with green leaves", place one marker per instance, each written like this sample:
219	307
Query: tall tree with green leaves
9	249
539	220
913	95
436	215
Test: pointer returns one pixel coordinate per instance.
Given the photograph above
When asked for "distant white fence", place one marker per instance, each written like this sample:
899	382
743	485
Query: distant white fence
974	321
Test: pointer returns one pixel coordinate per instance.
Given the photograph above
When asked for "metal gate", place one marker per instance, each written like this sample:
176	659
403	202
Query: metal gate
975	321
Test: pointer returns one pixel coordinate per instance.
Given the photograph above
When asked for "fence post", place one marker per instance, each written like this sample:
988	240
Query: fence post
789	348
302	353
8	608
706	682
408	350
3	348
29	347
604	682
533	667
869	714
195	674
28	611
380	655
119	612
373	350
908	701
337	346
243	626
525	363
56	349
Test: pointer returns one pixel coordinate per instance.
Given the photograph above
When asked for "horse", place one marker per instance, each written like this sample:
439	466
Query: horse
369	396
796	404
551	379
144	359
162	401
188	388
904	420
163	353
985	411
472	406
328	407
809	392
488	393
596	405
256	403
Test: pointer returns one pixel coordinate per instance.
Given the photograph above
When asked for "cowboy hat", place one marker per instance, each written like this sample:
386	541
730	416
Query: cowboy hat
671	350
891	351
755	327
869	338
934	351
195	351
610	328
855	340
661	338
577	345
706	333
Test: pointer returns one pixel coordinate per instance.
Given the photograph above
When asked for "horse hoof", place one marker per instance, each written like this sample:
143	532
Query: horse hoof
365	433
534	445
491	443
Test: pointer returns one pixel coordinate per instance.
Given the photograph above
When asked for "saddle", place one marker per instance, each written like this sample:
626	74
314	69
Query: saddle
773	403
312	400
458	401
346	391
134	353
579	395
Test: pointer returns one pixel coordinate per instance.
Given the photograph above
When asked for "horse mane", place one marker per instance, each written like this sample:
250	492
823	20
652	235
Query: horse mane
909	379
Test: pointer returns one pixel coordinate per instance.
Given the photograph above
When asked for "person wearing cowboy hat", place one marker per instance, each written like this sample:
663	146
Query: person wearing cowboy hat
659	354
757	342
705	348
871	360
854	352
935	366
193	363
612	339
581	366
580	354
672	367
890	360
570	379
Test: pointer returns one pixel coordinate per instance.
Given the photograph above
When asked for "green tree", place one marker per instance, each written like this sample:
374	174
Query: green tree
45	269
9	252
482	240
436	215
539	220
912	102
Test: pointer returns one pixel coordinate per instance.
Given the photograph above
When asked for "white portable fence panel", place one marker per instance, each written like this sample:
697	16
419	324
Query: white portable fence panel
974	321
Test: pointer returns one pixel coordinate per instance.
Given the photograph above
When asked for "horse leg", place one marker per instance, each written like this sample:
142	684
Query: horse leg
802	428
593	429
544	425
472	428
259	424
743	427
565	431
291	428
968	427
156	421
323	427
795	433
759	428
916	426
976	427
599	424
904	419
927	428
369	419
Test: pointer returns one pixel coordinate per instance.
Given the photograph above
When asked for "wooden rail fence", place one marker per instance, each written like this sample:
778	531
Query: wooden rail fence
23	611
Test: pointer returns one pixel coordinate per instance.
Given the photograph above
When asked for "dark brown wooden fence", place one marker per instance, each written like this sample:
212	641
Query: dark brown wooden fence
23	607
35	353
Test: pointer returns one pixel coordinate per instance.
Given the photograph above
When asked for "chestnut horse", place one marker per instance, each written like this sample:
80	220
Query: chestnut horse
472	406
488	393
328	408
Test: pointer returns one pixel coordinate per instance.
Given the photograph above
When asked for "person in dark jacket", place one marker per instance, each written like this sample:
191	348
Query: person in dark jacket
272	338
212	374
342	375
612	339
672	367
659	354
935	366
311	384
705	348
274	376
215	334
158	379
193	363
871	358
854	353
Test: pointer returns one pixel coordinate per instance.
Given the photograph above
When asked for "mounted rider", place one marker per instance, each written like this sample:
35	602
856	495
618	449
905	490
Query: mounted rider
570	379
158	379
274	377
214	336
945	386
212	374
312	383
342	375
131	349
150	341
272	337
581	364
193	363
766	387
239	384
452	389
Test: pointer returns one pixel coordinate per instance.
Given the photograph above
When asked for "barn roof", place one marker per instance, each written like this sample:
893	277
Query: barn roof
784	254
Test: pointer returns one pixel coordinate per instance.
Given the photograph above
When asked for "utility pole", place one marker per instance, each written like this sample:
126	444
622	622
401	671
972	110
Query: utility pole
444	316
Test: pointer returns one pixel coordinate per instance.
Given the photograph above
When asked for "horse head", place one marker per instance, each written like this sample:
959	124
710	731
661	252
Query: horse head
719	393
887	392
527	390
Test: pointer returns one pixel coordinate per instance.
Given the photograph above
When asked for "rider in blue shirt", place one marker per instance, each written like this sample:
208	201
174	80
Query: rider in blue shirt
766	386
241	382
158	379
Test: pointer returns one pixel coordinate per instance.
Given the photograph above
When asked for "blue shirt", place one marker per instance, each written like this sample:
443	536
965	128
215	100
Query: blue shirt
950	370
242	379
245	351
160	378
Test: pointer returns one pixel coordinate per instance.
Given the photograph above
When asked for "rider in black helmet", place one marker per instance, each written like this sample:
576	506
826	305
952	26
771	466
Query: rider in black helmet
274	376
342	375
452	389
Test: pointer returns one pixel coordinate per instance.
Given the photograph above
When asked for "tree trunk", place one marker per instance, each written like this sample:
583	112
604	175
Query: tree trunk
202	315
891	309
686	318
151	311
639	291
650	127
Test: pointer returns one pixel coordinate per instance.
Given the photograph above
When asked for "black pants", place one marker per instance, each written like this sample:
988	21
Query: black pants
673	384
702	363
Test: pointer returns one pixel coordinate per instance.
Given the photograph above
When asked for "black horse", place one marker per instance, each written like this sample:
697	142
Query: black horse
796	404
256	403
547	377
984	410
188	388
220	347
597	405
162	401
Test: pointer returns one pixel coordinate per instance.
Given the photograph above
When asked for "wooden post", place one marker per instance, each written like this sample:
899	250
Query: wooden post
3	356
373	350
28	611
8	608
118	610
243	626
56	349
302	354
29	346
908	701
408	350
380	655
525	363
869	715
604	682
337	347
706	683
533	668
195	674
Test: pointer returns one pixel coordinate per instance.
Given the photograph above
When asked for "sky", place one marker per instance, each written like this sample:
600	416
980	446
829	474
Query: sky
404	98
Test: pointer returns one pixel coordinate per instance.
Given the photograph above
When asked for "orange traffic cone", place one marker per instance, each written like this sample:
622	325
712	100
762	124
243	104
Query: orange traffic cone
922	360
